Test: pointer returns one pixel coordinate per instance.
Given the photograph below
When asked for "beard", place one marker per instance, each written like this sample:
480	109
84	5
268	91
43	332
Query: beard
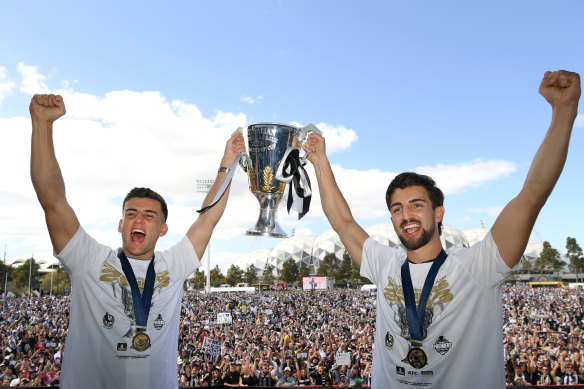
422	240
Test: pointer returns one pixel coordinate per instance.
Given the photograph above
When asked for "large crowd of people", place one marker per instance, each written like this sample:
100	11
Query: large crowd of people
293	338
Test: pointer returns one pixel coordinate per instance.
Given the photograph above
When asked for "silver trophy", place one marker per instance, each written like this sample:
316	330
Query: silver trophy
266	145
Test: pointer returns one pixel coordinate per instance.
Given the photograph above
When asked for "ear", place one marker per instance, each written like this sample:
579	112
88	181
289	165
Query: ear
163	229
439	213
120	226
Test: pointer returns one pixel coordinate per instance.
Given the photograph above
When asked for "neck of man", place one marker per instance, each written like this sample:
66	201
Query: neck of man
427	252
144	257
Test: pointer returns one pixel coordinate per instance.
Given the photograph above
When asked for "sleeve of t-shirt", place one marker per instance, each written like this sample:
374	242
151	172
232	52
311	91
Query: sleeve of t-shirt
82	252
484	262
374	256
183	257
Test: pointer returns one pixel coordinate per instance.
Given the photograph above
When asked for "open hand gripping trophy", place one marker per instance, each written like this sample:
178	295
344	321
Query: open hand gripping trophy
273	160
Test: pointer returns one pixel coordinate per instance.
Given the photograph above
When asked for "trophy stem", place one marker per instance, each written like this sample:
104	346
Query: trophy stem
267	225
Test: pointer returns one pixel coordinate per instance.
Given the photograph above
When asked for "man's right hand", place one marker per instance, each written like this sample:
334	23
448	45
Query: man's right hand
316	147
46	108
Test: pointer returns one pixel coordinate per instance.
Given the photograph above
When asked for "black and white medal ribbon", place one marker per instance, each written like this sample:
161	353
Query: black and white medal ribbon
224	185
140	342
416	356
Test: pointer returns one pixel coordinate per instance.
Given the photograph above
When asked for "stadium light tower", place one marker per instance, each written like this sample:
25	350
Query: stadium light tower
204	186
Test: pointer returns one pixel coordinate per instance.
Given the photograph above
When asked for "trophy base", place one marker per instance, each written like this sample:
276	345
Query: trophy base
267	223
273	232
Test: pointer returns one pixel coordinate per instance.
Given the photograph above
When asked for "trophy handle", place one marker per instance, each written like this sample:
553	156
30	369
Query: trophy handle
303	131
302	134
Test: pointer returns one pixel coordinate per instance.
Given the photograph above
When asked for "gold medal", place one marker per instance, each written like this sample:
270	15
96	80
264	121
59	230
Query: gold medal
141	342
417	358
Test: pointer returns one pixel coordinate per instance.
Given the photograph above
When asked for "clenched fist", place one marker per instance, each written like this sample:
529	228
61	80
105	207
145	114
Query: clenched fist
47	108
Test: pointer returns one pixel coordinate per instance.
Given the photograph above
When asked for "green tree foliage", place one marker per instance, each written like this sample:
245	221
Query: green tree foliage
343	272
234	275
4	270
250	275
575	255
290	271
217	278
20	275
199	280
549	260
327	267
269	274
60	280
526	266
356	278
303	272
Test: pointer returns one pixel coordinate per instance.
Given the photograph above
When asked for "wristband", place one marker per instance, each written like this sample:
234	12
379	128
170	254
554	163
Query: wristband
223	169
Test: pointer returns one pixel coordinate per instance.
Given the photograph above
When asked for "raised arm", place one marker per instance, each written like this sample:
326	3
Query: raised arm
334	205
513	226
45	172
200	231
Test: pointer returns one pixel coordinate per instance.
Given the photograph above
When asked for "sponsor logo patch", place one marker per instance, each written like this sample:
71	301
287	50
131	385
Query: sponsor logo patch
108	320
442	345
388	340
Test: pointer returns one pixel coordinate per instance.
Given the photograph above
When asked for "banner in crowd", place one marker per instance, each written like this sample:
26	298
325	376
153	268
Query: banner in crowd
343	359
316	283
212	346
302	355
224	318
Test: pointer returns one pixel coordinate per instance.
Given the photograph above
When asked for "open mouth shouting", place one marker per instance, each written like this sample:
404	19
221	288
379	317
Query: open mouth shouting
138	236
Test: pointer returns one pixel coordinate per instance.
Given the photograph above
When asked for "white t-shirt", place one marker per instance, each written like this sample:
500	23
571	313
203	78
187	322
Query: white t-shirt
98	352
463	323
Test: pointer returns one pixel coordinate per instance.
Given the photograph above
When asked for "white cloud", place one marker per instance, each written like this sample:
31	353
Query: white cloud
456	178
579	121
251	99
364	190
492	212
5	86
32	80
338	138
108	144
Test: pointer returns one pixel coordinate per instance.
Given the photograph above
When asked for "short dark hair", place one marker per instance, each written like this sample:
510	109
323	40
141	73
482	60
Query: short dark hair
407	179
147	193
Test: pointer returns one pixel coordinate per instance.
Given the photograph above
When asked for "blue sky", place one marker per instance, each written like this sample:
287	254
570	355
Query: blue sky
154	89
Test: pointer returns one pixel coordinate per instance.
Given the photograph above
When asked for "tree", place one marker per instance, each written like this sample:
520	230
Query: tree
60	280
356	278
20	275
199	280
343	272
234	275
269	274
250	275
289	271
304	272
549	259
574	253
327	266
527	266
217	278
4	274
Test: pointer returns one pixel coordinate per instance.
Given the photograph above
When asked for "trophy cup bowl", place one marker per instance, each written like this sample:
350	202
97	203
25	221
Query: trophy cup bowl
266	144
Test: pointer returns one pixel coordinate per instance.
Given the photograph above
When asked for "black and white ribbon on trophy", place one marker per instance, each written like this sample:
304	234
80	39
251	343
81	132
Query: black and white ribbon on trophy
298	193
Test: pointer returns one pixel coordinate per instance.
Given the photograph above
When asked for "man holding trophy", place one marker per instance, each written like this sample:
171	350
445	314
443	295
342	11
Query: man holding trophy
125	308
436	309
